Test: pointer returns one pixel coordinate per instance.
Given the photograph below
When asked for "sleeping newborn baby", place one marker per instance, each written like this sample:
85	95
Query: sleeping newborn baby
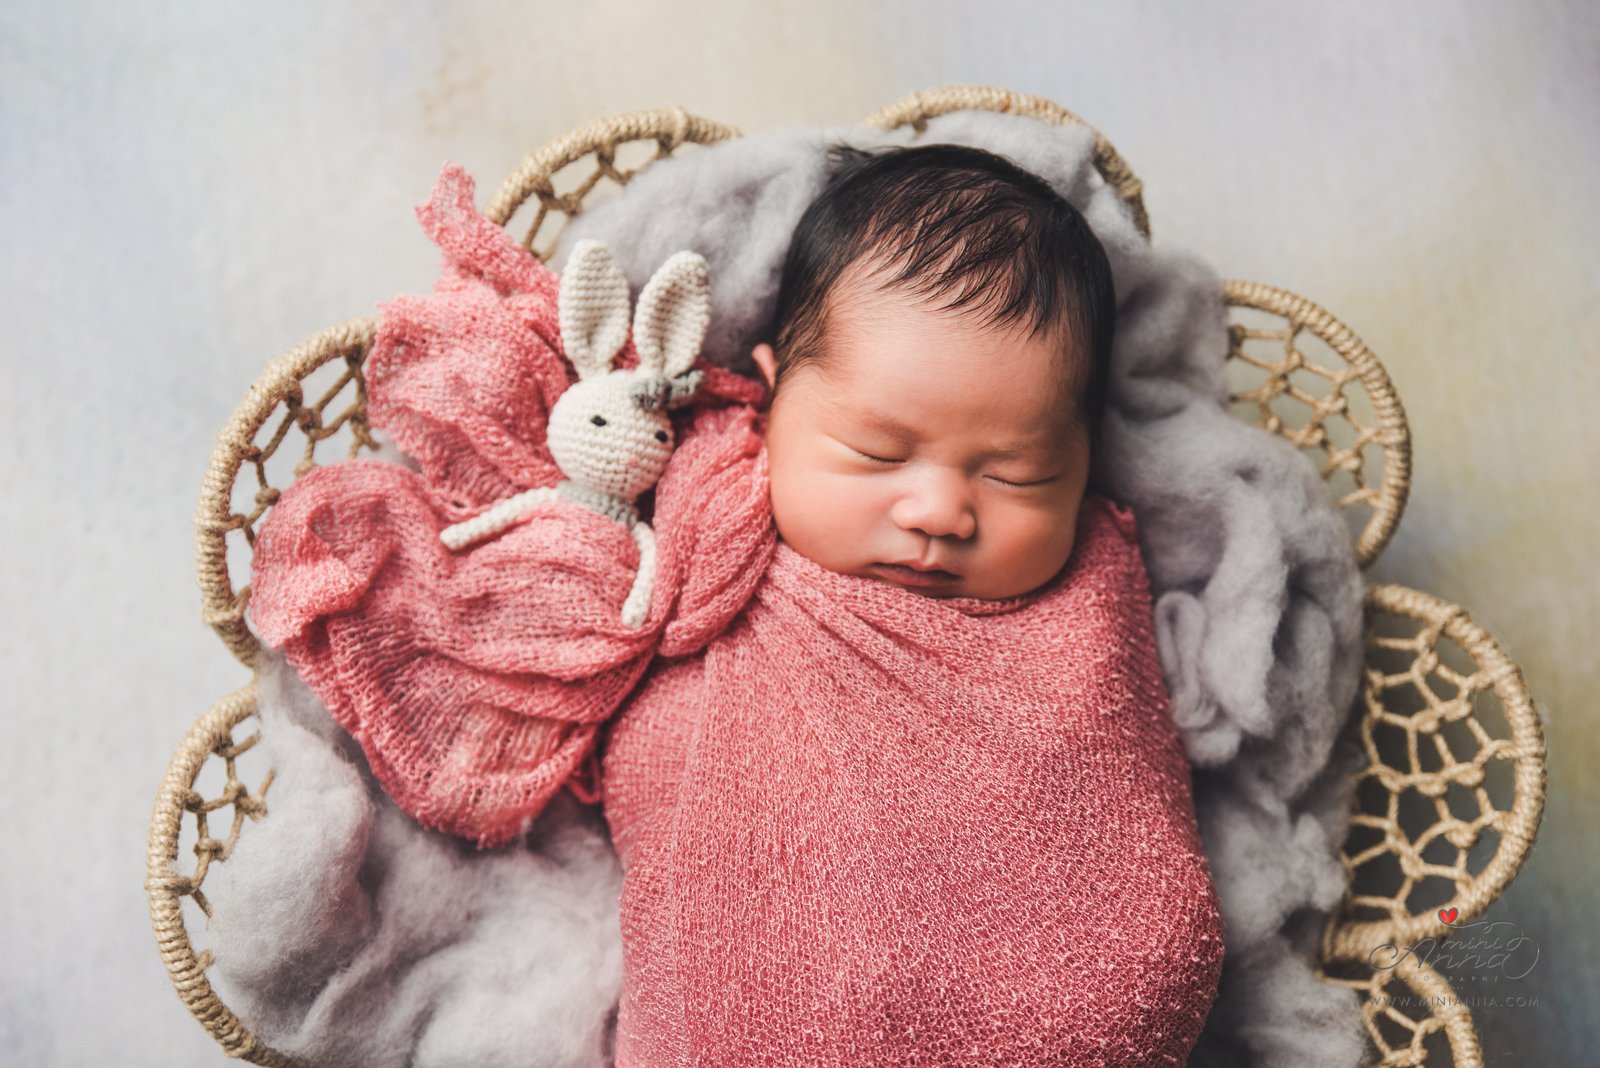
921	802
944	327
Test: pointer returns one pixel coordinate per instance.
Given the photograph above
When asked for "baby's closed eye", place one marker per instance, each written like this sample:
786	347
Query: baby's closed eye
874	458
1025	482
1019	480
869	452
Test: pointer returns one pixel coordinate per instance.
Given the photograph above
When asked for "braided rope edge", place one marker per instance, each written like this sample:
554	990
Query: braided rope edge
1353	941
1394	431
222	609
166	888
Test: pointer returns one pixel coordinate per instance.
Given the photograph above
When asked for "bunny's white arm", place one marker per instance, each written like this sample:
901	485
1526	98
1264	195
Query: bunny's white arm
507	513
637	606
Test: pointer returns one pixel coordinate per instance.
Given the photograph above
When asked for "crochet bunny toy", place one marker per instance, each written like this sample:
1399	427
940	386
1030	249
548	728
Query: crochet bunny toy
609	433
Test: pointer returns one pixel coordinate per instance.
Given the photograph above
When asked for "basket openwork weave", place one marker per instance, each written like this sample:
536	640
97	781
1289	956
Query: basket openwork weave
1447	805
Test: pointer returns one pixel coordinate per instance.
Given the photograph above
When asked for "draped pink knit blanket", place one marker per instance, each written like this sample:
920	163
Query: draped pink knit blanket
475	681
866	827
857	825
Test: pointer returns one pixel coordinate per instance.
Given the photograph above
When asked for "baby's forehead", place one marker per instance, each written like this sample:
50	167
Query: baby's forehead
856	394
855	329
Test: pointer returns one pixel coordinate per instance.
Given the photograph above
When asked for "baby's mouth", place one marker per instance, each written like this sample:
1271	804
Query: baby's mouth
911	576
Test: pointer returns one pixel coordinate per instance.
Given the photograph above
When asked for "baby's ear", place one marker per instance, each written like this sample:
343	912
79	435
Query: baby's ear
593	308
673	315
767	360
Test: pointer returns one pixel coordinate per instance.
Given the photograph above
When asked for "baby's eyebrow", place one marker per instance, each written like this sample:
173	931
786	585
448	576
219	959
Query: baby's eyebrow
1026	443
887	425
1020	448
1043	448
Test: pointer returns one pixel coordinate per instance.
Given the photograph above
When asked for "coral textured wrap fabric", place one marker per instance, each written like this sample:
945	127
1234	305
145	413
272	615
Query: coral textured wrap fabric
865	826
476	681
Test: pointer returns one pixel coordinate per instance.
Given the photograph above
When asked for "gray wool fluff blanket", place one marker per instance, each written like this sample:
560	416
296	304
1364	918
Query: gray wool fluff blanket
345	934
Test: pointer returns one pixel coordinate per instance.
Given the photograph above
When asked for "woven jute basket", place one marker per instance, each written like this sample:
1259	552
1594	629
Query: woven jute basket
1448	802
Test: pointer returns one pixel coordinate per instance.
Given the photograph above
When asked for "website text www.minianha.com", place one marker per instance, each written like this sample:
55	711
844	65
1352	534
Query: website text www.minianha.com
1469	1001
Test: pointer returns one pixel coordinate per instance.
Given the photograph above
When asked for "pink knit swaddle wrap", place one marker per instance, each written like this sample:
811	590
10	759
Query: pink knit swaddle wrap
865	826
476	681
857	825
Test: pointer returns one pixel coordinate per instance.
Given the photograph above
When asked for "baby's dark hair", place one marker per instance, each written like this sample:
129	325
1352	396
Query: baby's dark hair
964	227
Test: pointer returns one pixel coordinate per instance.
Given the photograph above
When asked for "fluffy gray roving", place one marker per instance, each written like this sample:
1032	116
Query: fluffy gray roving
345	932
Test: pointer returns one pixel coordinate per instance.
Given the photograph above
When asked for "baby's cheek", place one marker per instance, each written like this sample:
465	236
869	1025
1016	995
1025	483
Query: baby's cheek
1036	540
823	515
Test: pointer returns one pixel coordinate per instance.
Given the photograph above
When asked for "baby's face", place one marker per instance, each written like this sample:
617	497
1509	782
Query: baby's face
927	451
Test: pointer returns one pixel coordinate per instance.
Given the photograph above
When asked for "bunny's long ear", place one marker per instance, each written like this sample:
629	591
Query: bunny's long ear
593	308
673	314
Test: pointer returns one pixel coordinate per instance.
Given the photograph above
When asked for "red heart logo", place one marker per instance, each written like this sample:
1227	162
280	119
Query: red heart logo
1448	915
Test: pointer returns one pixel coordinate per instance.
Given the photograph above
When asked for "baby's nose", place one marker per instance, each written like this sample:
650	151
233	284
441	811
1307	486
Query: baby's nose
938	504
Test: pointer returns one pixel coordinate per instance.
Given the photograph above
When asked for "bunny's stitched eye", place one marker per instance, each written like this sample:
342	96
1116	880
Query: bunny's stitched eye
661	435
598	420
